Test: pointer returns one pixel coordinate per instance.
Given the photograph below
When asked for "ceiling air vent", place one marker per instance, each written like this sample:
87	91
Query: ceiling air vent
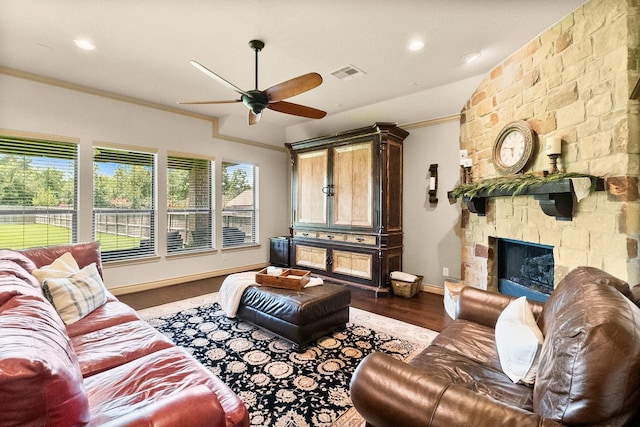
348	72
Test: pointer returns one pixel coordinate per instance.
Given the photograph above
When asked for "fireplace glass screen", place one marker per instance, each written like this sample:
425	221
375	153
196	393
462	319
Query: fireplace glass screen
525	269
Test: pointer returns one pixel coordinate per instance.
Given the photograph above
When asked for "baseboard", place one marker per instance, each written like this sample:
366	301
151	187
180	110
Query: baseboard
139	287
433	289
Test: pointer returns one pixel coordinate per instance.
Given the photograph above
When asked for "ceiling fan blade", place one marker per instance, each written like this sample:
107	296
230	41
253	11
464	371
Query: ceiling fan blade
219	79
210	102
254	118
293	87
297	110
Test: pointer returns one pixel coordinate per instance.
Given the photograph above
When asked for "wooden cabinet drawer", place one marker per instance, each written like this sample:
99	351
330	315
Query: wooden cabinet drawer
305	234
363	239
336	237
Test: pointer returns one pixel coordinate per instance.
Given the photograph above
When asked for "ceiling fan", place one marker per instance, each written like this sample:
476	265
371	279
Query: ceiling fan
271	98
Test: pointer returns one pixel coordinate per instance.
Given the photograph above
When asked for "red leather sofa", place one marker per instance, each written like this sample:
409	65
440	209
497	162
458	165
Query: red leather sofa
588	372
109	368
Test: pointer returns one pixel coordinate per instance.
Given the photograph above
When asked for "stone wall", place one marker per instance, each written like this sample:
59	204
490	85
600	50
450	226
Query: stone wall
574	80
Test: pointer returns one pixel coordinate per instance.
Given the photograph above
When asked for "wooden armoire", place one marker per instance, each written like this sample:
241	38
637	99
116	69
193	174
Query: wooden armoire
347	205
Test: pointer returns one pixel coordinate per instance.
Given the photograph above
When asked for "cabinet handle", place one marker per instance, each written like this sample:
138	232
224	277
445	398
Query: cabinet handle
359	239
305	234
330	237
328	190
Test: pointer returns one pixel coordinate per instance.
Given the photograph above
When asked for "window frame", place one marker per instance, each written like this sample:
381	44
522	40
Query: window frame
230	235
140	156
191	234
52	149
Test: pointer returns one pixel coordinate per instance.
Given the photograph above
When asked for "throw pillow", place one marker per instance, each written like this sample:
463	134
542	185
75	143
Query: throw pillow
63	266
518	340
77	295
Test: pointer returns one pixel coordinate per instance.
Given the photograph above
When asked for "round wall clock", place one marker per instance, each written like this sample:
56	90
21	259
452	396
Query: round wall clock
513	147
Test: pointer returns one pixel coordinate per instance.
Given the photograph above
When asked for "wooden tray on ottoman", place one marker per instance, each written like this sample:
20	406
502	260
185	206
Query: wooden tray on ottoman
289	279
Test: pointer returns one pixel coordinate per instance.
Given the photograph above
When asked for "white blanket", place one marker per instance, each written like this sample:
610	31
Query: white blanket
405	277
232	289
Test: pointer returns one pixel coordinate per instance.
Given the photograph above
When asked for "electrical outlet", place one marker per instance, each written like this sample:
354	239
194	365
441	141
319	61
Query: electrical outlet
445	271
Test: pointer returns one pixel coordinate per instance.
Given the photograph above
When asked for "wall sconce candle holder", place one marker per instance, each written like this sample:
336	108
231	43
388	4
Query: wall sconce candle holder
433	183
467	164
553	163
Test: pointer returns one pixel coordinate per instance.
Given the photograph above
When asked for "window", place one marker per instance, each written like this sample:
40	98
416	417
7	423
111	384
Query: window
189	208
123	203
37	193
239	211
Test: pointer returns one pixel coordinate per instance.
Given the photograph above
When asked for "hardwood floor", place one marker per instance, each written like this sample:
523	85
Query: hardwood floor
425	309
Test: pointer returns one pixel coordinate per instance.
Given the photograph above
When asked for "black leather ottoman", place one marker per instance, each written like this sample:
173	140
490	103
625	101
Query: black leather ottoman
297	316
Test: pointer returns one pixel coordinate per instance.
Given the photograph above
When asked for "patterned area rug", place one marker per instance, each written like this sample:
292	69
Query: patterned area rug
281	387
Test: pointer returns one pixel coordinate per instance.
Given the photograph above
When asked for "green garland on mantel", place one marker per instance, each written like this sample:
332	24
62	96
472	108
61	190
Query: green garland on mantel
514	183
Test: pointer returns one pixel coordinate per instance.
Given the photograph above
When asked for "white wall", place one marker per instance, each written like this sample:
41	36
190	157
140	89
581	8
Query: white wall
431	231
28	106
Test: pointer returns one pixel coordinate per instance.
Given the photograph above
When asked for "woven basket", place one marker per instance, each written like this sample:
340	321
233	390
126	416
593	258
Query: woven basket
406	289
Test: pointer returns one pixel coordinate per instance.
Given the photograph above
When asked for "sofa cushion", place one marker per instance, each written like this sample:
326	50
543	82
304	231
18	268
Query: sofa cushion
113	312
158	376
455	368
63	266
77	295
589	371
40	380
471	340
518	340
118	344
84	253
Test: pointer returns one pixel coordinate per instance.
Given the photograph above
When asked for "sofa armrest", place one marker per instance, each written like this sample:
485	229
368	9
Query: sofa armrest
194	407
483	307
389	392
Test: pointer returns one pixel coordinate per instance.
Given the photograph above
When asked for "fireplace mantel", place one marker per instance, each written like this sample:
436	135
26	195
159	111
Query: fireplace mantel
555	198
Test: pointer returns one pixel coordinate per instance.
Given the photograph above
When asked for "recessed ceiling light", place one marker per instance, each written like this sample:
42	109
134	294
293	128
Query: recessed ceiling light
84	44
416	45
470	57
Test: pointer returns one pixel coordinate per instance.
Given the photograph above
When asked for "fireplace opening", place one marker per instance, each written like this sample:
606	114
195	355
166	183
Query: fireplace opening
525	269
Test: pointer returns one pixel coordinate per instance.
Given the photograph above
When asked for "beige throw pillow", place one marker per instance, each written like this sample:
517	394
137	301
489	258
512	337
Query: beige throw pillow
63	266
518	340
77	295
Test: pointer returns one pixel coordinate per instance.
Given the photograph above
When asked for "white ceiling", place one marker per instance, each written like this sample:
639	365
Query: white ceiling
144	46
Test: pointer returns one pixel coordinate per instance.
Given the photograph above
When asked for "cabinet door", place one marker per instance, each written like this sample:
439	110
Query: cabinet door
353	185
311	257
311	180
353	264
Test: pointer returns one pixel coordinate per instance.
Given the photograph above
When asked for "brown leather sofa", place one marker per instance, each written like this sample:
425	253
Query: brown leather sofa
109	368
588	372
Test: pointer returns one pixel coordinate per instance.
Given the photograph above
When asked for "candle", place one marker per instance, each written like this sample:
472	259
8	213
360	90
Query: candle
432	183
463	155
554	145
468	163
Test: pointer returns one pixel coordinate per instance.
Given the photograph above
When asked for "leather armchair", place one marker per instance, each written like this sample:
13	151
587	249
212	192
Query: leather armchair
588	374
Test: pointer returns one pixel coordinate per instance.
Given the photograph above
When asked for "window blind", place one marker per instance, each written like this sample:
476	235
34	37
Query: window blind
38	193
189	207
239	211
124	203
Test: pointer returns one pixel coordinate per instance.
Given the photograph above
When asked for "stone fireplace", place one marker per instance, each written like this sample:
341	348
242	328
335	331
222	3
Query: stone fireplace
573	81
